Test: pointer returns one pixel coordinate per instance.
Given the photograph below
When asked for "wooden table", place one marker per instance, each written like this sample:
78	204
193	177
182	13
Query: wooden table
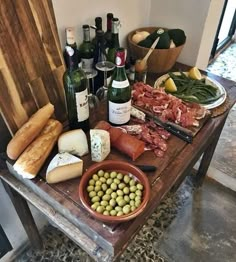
61	204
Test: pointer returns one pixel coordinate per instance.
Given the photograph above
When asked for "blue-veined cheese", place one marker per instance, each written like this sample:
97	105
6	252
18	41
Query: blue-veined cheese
62	167
137	113
100	144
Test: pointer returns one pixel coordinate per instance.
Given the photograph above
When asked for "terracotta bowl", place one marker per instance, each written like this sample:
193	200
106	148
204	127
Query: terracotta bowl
125	168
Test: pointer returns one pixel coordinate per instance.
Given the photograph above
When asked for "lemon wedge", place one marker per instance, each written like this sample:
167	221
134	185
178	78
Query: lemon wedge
170	85
194	73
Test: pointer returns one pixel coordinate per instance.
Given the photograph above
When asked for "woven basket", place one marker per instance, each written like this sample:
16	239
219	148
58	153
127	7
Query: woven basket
161	60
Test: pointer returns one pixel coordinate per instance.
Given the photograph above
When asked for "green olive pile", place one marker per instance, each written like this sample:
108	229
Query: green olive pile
114	194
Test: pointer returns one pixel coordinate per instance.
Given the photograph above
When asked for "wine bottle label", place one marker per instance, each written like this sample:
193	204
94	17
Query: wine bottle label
82	105
70	35
119	113
87	64
120	84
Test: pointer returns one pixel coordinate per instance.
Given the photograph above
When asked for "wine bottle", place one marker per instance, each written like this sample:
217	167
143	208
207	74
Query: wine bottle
114	40
119	92
108	33
98	26
99	56
86	50
70	41
76	91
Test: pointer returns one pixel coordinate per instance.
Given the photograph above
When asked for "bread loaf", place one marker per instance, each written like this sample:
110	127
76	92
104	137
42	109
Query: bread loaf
29	131
34	156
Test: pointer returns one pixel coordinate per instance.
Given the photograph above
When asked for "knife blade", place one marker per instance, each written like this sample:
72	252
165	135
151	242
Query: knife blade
171	127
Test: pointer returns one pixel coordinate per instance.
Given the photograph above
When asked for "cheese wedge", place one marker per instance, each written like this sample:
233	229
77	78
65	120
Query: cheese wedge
73	142
64	166
100	144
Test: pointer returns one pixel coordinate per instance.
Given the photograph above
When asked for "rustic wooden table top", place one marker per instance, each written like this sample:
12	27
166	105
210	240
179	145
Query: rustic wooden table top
111	240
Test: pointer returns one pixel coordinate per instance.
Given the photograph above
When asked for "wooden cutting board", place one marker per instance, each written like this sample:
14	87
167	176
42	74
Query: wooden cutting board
31	62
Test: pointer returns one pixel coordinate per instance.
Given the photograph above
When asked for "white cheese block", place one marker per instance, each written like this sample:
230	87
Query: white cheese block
62	167
100	144
73	142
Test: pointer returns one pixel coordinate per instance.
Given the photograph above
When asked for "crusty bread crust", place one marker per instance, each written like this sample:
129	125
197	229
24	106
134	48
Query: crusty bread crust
29	131
34	156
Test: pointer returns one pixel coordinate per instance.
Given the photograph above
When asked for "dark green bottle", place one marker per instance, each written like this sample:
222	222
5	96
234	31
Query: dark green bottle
111	54
108	33
119	92
86	50
76	91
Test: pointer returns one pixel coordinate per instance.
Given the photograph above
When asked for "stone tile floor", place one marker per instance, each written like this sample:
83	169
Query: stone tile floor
145	246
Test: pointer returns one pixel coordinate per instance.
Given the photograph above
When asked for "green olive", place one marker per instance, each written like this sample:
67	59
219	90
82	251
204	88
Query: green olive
126	179
137	203
97	188
114	195
113	186
132	182
119	198
127	199
104	187
113	174
100	193
106	197
92	194
90	188
98	183
103	179
120	192
117	208
133	188
109	181
112	202
100	209
91	182
113	212
121	185
104	203
138	193
106	175
95	205
95	177
121	203
100	173
109	208
132	203
137	198
116	181
95	199
120	176
139	186
133	208
126	190
120	213
126	209
106	213
132	195
109	191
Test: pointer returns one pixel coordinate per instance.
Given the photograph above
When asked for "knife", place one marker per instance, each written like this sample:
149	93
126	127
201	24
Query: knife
171	127
146	168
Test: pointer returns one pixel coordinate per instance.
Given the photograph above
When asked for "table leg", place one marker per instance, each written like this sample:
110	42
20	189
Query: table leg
24	213
207	156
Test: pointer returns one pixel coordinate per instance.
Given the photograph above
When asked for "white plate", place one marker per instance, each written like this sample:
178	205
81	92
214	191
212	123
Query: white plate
209	81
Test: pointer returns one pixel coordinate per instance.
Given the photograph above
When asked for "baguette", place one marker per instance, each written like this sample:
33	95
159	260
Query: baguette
29	131
32	159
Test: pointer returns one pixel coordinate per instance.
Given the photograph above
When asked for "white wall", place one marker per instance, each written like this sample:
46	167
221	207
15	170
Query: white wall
132	14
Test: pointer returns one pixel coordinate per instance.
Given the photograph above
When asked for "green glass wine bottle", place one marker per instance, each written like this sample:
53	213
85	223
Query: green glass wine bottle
76	91
111	54
108	33
86	50
119	92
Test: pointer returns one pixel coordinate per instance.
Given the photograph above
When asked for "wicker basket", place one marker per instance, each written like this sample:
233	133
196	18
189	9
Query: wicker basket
161	60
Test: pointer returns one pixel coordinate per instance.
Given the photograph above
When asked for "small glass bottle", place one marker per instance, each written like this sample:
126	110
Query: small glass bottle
114	40
119	93
86	50
76	91
108	33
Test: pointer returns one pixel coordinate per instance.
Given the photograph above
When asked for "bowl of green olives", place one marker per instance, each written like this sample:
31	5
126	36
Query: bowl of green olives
114	191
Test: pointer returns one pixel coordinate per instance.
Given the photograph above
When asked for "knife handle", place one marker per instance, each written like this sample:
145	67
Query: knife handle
187	137
146	168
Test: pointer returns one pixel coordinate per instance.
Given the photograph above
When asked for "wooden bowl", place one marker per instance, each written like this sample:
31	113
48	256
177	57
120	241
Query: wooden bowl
119	166
161	60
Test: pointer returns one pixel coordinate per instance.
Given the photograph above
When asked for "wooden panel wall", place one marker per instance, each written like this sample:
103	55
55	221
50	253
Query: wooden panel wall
31	62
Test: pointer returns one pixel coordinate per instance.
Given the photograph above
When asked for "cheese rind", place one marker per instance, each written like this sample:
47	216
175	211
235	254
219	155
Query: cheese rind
100	144
64	166
73	142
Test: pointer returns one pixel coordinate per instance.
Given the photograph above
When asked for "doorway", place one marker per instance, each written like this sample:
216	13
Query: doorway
226	28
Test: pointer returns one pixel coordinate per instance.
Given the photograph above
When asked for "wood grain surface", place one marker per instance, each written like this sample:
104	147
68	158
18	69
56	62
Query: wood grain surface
31	62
